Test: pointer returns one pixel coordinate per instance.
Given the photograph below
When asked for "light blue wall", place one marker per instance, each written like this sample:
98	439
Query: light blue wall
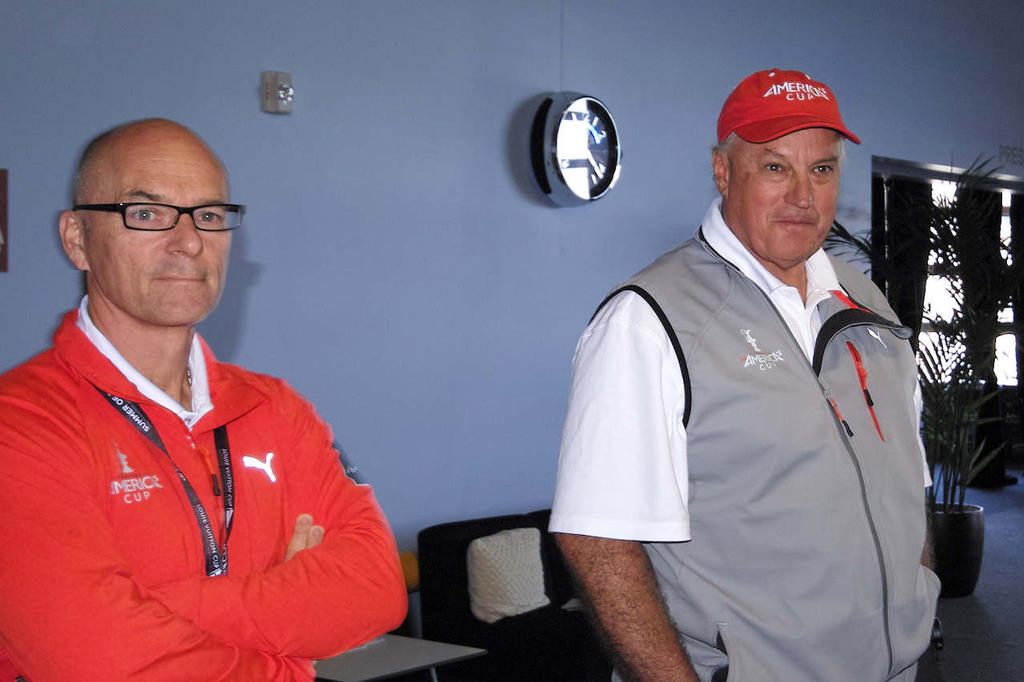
398	266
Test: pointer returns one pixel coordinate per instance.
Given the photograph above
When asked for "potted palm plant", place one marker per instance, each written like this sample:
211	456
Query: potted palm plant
956	356
957	240
952	419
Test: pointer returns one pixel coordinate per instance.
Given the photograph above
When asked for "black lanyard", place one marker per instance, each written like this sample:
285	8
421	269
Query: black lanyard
216	556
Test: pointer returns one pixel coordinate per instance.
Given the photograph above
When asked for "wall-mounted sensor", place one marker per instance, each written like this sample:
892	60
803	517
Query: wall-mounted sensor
277	92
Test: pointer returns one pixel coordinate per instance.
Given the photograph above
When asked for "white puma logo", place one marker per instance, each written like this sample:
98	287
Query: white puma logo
253	463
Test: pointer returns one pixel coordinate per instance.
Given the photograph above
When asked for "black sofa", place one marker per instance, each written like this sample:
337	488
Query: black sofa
547	643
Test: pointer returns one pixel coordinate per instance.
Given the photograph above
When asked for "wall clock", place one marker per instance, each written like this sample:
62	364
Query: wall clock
574	148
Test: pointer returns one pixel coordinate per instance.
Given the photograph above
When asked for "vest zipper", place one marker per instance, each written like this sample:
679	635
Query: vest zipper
839	415
886	627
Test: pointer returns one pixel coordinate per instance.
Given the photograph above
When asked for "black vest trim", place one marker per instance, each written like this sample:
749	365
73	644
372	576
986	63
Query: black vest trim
663	318
852	317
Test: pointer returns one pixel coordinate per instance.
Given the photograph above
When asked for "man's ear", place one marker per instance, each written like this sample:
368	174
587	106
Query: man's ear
720	169
72	239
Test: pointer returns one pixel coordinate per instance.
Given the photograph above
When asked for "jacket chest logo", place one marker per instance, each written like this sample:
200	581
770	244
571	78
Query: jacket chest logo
132	488
264	465
759	359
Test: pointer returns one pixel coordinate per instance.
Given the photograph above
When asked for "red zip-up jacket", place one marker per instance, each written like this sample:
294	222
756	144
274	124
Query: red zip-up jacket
103	571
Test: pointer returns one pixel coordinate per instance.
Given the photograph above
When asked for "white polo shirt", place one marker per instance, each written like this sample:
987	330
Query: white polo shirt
622	469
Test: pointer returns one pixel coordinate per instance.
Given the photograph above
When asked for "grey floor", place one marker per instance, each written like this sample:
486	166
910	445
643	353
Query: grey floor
983	632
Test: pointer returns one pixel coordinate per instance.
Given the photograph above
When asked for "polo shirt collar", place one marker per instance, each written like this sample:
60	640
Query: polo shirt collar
821	276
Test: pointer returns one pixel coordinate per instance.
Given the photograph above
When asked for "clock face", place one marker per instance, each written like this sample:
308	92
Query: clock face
574	148
583	147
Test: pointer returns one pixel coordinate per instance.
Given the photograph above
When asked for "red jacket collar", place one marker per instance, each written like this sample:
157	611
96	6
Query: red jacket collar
234	391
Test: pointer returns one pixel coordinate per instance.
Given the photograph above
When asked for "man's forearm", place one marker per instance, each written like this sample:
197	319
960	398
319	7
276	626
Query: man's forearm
618	587
353	589
928	553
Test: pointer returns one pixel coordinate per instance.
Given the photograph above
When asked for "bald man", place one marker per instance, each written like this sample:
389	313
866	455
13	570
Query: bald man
167	516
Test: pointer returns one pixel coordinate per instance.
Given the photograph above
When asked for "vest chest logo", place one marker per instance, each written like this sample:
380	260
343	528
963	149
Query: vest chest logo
759	358
132	489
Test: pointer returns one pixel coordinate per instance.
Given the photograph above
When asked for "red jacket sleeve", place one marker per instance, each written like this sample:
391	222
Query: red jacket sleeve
70	608
325	600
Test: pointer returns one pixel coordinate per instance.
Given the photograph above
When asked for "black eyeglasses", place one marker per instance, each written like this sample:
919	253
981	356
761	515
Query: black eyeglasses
157	217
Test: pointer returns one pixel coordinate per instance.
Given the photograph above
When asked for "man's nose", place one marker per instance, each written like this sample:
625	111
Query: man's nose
185	237
801	191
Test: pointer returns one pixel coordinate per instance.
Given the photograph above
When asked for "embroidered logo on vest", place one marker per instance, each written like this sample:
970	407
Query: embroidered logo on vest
759	359
751	340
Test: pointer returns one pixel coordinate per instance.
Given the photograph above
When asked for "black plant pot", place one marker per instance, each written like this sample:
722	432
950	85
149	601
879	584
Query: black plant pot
959	541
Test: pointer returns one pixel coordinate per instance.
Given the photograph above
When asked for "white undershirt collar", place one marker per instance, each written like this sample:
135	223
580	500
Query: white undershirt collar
802	317
201	402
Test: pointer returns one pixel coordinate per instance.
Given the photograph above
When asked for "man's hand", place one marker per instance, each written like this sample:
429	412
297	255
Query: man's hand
304	536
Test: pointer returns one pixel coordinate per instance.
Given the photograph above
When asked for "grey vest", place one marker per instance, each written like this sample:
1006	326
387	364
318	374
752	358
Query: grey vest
807	526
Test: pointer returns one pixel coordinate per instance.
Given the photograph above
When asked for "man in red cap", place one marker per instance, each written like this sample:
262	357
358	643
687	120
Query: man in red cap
740	484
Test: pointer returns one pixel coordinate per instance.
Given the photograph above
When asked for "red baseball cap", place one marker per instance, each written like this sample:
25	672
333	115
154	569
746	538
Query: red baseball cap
769	104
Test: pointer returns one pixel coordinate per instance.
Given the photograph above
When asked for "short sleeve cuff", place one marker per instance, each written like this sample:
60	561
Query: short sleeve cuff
639	531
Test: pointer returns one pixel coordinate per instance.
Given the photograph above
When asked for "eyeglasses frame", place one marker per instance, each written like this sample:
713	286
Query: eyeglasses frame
122	209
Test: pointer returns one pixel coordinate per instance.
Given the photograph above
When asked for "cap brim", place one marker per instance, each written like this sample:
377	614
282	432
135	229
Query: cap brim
772	129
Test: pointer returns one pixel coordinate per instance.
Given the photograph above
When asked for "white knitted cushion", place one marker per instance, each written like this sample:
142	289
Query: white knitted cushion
506	577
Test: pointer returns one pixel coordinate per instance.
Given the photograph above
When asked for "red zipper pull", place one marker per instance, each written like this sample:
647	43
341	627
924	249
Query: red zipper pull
205	455
835	408
862	375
